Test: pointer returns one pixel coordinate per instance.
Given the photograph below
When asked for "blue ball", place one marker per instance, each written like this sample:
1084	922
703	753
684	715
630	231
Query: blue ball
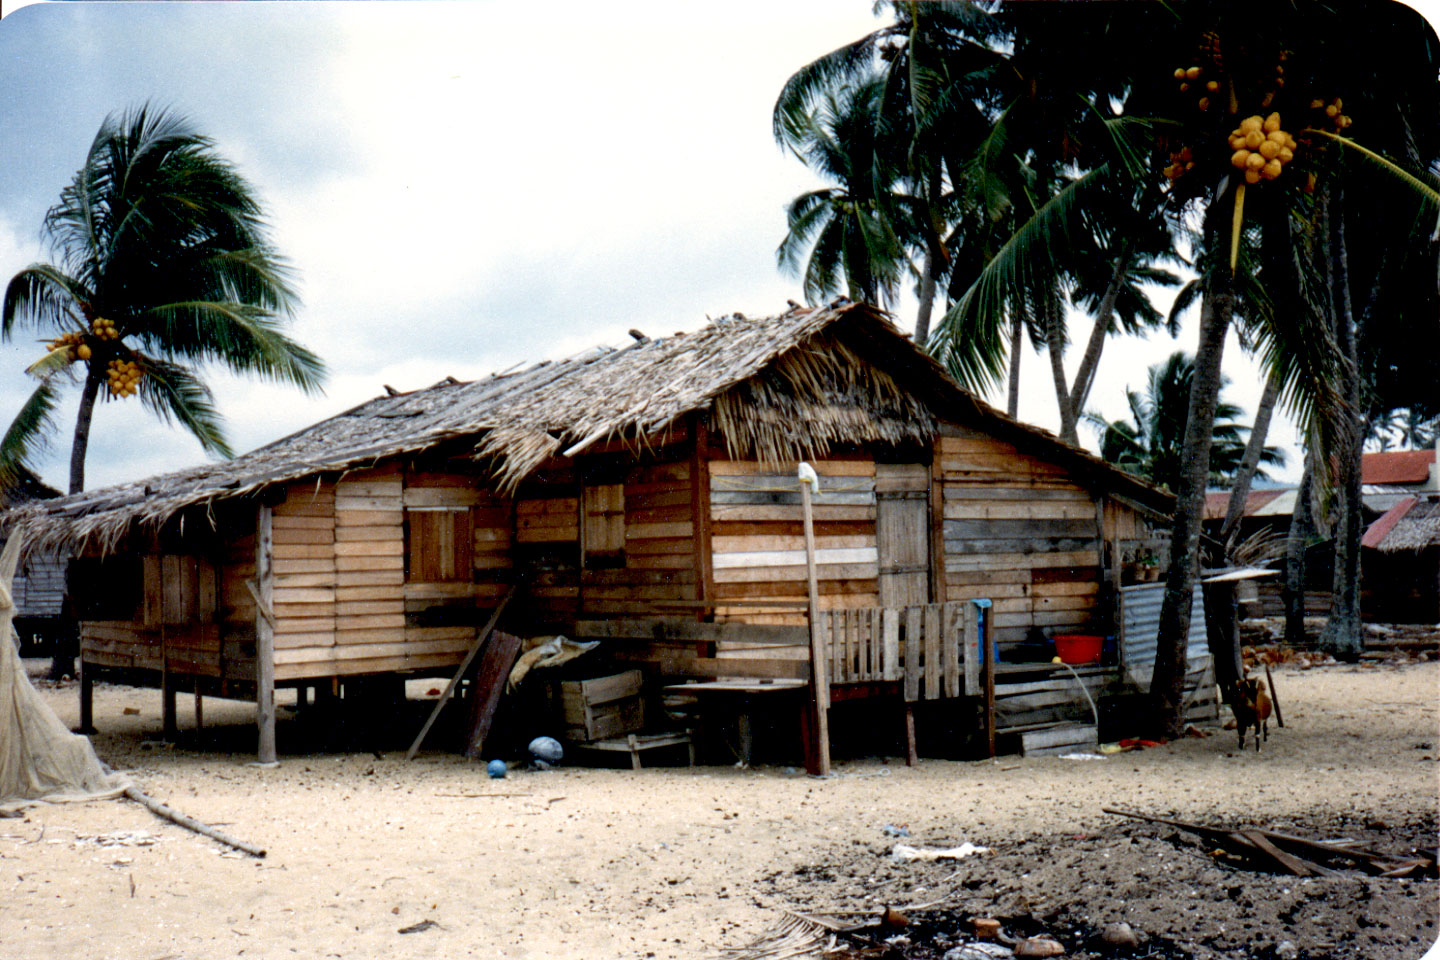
496	769
547	749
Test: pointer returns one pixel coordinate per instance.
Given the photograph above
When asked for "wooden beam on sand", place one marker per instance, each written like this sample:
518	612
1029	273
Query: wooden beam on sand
480	639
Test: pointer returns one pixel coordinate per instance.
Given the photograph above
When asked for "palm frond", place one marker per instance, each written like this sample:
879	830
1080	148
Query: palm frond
53	362
244	338
45	296
177	396
27	436
1030	259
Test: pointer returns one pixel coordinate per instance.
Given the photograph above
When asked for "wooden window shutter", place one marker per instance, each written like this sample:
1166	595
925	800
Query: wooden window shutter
602	525
440	547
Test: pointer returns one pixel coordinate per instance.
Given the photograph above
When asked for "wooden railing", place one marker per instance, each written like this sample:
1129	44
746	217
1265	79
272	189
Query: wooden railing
924	646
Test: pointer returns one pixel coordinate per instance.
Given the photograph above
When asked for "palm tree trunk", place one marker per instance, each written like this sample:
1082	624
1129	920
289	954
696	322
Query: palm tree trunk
81	445
1302	525
1085	376
1173	634
1017	332
1343	632
1055	346
927	300
1249	463
934	256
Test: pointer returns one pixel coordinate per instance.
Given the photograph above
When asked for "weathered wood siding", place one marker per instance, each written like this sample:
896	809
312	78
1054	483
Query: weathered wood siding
39	586
757	539
1020	531
610	534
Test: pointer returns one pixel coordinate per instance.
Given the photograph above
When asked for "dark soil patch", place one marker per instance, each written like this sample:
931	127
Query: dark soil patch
1180	897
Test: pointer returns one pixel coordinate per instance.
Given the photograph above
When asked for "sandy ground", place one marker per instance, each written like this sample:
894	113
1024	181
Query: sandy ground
578	862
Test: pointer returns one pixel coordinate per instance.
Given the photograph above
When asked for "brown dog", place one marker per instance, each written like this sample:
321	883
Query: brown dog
1252	710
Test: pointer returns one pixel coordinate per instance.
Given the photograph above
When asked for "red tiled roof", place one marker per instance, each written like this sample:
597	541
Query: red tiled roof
1396	466
1218	502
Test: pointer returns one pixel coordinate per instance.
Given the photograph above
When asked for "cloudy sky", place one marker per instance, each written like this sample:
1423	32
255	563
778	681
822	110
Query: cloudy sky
460	186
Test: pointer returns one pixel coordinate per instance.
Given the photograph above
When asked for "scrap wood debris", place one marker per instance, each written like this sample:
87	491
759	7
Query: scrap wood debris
1300	856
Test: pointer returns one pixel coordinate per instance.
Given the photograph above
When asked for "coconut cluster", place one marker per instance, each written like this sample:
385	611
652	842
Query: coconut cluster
1190	77
1334	110
123	377
73	343
1181	160
1261	148
104	329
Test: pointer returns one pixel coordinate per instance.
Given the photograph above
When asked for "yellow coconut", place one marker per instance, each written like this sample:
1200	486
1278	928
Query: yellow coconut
1280	137
1252	176
1255	161
1269	149
1212	85
1179	73
1285	155
1251	123
1331	110
1272	123
1253	139
1271	170
1239	158
1204	103
1192	73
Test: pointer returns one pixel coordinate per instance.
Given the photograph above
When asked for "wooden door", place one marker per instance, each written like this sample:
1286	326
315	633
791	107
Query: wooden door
902	532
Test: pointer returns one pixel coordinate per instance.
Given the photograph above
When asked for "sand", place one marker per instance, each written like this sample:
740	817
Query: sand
578	862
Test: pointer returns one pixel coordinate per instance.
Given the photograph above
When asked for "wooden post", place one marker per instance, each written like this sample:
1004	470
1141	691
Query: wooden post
986	613
169	727
87	697
911	756
264	593
700	513
199	709
817	759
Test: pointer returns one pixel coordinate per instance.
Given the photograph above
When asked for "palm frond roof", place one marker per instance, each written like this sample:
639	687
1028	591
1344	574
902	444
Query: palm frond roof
780	388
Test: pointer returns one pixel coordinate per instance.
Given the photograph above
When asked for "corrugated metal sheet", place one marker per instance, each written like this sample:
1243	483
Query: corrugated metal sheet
1140	612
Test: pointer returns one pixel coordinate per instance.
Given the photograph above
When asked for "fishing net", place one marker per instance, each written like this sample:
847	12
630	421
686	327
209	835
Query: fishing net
39	758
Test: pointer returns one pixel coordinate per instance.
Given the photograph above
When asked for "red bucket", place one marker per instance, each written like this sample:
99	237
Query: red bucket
1075	648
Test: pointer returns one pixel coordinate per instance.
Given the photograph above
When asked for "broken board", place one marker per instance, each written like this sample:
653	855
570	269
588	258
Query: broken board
494	670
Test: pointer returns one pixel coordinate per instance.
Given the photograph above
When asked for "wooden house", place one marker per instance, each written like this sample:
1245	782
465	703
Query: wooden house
645	494
38	590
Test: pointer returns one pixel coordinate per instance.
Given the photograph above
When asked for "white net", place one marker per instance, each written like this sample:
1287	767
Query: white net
39	758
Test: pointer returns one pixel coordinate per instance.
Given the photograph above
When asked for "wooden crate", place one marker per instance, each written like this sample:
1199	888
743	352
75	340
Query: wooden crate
602	707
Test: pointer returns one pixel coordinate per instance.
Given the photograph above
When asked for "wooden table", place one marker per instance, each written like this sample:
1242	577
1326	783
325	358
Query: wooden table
741	696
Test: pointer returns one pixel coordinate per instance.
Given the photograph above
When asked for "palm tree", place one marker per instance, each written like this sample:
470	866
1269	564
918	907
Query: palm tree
925	67
848	230
1150	443
162	264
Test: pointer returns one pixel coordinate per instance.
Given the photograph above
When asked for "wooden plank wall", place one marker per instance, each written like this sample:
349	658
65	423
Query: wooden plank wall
1017	530
607	536
343	601
758	539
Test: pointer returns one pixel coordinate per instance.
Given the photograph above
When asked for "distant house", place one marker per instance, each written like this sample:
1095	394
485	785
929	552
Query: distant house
1401	557
38	590
646	494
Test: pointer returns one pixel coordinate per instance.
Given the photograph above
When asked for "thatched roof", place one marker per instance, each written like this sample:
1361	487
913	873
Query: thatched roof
780	388
1412	524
